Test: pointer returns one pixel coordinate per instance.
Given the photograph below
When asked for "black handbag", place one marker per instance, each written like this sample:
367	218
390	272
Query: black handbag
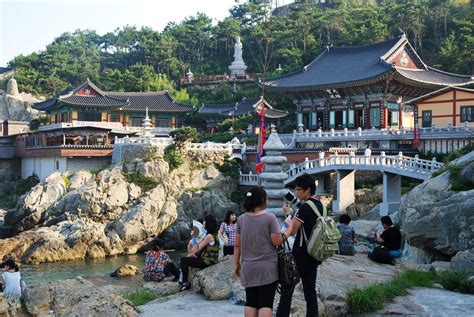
288	275
380	255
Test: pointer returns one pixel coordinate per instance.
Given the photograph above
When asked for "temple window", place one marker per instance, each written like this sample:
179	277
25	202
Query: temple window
89	116
467	114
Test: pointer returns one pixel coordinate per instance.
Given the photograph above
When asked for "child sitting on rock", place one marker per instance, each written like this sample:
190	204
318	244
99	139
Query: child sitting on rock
346	243
158	264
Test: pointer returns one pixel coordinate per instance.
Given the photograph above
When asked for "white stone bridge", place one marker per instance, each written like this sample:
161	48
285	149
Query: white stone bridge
392	168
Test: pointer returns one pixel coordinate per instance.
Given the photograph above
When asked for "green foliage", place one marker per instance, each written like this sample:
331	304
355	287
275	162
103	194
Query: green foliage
448	157
456	282
184	135
35	123
196	166
457	182
11	193
173	156
218	137
237	197
67	181
144	182
374	297
229	168
142	59
140	296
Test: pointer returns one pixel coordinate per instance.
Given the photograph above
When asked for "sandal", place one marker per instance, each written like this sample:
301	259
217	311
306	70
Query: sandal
185	287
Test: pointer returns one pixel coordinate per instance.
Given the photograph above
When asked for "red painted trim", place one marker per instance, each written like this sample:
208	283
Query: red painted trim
444	101
454	107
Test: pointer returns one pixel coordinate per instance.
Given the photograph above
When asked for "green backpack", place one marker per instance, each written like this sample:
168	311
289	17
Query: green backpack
324	238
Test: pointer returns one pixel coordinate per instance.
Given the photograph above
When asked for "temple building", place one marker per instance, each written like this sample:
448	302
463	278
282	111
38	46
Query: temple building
215	113
87	105
448	106
362	86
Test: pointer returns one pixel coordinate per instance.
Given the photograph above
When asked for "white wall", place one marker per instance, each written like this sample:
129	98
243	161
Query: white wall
42	166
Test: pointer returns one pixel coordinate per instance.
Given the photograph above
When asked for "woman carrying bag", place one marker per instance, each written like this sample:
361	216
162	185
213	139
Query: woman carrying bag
255	255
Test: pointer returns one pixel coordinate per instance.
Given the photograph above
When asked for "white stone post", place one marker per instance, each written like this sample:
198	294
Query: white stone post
332	131
345	131
391	193
300	128
359	131
320	132
433	164
345	190
382	158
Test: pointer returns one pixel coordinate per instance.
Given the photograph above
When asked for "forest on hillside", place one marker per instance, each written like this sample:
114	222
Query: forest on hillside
142	59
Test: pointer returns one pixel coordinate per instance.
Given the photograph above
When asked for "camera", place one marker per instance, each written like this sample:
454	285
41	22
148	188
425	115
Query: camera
292	199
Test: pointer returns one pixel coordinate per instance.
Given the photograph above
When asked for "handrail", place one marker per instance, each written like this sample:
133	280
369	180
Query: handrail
414	165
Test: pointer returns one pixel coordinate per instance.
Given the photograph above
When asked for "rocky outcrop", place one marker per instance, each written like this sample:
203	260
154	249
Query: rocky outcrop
15	106
83	215
438	220
463	261
76	297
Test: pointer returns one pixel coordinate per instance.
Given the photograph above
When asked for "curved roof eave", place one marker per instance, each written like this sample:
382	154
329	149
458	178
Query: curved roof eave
359	82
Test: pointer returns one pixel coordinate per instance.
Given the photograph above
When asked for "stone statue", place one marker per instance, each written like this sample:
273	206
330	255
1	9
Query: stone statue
238	50
238	67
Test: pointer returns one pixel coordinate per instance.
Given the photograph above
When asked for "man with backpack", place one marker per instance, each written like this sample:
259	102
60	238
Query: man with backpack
304	219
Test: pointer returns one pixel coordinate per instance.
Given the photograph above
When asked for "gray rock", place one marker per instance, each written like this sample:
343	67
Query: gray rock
211	172
463	261
12	87
78	179
438	220
162	289
430	302
439	267
467	173
125	270
75	297
216	281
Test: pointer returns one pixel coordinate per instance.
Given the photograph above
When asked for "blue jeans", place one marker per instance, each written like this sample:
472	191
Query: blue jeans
395	253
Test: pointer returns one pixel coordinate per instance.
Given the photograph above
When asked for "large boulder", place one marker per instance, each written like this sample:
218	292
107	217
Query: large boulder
75	297
33	206
463	261
216	281
437	219
125	270
158	169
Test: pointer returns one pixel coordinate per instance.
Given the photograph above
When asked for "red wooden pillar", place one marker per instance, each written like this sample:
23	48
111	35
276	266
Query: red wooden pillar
454	107
383	117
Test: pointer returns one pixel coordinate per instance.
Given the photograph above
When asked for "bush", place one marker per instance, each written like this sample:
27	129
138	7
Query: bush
35	123
229	168
219	137
457	183
173	156
183	135
456	282
144	182
140	296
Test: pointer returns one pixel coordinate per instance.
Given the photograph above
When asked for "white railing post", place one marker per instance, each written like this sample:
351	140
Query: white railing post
345	131
382	158
400	159
466	126
352	157
321	159
306	163
320	132
332	131
416	165
359	131
433	164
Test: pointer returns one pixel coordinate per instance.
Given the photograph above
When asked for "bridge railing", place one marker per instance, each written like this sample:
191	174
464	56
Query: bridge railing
398	162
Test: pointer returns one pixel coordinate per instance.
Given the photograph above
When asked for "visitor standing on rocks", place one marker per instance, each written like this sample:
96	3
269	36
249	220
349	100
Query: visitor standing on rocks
11	279
346	243
391	238
228	226
255	255
304	219
207	253
158	264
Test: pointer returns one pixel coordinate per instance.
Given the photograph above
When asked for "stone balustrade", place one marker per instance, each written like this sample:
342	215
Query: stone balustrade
249	179
359	133
399	164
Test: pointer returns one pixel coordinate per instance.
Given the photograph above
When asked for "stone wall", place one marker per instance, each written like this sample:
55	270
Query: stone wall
75	164
10	169
130	152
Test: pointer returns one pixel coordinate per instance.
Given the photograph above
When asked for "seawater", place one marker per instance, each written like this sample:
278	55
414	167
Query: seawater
45	272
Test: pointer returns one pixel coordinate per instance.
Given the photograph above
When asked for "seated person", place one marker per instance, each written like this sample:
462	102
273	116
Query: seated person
391	238
197	234
346	244
207	253
158	264
11	279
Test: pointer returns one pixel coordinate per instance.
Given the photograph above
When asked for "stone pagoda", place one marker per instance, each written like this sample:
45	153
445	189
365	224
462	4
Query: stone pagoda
273	175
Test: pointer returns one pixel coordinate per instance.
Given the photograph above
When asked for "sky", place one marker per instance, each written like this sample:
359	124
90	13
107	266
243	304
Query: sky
27	26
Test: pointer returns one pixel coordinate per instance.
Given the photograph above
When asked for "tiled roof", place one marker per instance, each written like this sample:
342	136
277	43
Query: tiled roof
355	65
246	106
4	69
159	101
438	92
97	101
337	65
436	77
